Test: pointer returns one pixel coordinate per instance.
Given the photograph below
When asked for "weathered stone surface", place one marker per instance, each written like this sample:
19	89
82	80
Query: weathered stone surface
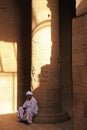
81	7
79	63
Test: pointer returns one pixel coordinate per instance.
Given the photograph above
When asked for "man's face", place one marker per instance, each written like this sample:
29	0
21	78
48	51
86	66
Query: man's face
28	97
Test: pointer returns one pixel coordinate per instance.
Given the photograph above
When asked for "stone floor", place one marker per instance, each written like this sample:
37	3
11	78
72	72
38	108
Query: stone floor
10	122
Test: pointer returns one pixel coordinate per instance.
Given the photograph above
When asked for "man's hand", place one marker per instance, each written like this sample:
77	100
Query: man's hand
24	108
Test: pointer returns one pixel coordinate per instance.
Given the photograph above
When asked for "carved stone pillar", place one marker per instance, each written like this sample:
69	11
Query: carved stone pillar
24	51
46	61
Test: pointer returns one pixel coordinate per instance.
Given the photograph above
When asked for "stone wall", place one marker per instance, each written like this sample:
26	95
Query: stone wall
81	7
9	21
79	64
9	36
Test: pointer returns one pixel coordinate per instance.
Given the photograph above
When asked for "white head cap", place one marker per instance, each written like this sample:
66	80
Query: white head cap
29	93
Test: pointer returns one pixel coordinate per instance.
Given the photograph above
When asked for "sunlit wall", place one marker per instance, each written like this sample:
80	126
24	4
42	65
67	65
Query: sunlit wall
8	77
41	38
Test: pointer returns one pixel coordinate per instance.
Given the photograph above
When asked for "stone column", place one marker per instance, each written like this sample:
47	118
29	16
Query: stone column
46	61
24	51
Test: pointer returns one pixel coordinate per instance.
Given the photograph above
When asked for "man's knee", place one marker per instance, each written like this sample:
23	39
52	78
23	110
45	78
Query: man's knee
20	108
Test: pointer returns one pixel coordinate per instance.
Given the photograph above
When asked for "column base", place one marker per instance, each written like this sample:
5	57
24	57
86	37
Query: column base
56	118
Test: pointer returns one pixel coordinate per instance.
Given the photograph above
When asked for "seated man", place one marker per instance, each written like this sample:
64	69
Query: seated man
29	109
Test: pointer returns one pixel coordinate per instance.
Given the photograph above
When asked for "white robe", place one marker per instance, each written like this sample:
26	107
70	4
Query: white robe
32	110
